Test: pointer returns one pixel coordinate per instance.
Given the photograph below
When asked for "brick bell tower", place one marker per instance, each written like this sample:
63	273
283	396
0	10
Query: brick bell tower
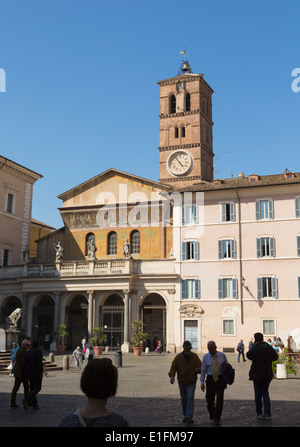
186	142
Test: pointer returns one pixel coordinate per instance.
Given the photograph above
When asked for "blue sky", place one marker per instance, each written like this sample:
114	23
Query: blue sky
82	95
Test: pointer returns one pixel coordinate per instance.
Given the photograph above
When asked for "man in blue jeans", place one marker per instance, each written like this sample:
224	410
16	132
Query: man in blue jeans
186	364
262	356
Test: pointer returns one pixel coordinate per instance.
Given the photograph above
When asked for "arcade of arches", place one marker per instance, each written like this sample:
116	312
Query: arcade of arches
108	313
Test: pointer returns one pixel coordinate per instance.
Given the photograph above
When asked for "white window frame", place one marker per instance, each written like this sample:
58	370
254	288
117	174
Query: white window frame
270	246
233	321
190	288
233	288
274	287
190	250
268	208
227	212
263	321
190	215
229	249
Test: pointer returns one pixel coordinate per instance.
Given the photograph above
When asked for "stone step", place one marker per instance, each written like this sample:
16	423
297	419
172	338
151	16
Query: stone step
5	361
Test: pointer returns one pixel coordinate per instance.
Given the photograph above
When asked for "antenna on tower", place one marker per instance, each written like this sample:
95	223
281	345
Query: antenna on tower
216	168
231	173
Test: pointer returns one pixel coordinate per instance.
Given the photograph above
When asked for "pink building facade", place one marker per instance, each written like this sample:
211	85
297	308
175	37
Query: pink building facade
238	256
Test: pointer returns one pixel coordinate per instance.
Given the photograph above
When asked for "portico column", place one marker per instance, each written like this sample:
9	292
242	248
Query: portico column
125	345
24	311
56	303
90	314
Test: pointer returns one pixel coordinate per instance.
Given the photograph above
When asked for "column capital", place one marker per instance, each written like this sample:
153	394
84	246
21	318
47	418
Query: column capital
126	291
90	292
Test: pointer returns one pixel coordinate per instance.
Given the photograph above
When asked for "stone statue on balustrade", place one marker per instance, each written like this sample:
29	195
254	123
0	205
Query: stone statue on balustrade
59	252
126	249
91	250
26	255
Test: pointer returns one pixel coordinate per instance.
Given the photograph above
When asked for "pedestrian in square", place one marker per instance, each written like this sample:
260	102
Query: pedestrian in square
186	364
241	350
213	366
262	356
20	373
34	369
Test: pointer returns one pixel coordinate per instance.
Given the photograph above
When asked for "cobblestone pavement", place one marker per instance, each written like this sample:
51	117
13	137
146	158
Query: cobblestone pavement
147	399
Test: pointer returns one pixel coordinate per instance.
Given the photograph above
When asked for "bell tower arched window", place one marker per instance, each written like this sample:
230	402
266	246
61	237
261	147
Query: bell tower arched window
188	102
173	104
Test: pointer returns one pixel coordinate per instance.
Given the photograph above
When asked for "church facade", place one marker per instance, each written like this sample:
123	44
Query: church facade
192	256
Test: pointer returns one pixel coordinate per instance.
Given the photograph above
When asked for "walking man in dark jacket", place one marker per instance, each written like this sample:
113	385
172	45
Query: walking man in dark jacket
20	373
186	364
262	356
35	368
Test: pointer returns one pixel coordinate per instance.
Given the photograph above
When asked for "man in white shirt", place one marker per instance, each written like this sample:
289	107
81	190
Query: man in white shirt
212	368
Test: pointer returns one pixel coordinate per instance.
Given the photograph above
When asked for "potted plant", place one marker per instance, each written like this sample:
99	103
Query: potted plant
59	334
98	340
284	365
139	337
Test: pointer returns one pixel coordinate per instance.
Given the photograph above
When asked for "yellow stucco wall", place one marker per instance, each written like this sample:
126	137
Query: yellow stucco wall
81	206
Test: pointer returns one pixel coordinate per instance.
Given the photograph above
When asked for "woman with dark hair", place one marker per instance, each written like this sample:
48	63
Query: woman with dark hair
99	381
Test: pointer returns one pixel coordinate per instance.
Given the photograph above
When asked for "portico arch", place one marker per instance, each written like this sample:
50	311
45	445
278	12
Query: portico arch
112	320
42	327
153	315
76	320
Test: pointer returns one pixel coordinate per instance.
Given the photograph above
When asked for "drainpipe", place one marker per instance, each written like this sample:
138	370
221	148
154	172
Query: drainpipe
240	258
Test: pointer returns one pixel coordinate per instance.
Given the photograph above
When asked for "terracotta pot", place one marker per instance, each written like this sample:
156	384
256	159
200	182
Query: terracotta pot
60	349
137	350
98	350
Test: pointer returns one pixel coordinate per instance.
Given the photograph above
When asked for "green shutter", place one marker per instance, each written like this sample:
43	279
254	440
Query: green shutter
258	247
183	254
183	289
197	288
234	288
220	288
274	287
259	288
272	247
297	206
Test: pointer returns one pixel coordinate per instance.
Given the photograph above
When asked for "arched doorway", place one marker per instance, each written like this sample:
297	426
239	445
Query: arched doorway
43	321
76	321
112	321
10	304
154	319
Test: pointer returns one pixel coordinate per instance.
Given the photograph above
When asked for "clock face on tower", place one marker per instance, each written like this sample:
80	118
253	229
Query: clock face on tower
179	163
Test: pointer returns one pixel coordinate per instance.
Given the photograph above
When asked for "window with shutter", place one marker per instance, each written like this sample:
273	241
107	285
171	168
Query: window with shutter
227	288
264	209
227	212
190	288
297	206
298	245
267	287
265	246
226	249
